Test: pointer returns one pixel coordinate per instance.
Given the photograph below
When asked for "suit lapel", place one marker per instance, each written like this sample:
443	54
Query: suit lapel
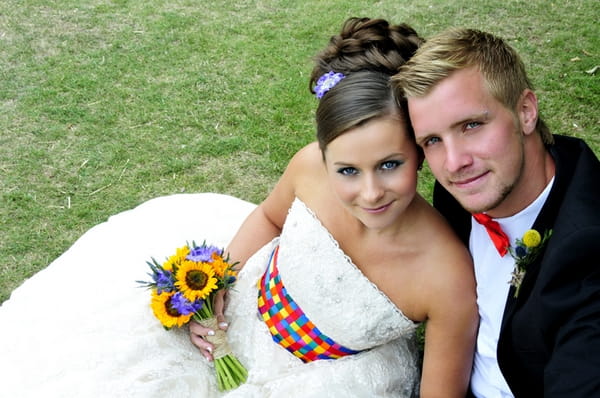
544	222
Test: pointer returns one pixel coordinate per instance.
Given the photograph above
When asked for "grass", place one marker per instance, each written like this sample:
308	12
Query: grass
106	104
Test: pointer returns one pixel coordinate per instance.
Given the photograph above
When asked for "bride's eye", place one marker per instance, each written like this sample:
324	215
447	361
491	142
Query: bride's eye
390	164
347	171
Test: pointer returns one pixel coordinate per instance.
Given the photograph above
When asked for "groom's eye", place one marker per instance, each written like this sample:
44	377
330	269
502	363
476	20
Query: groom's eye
431	141
472	125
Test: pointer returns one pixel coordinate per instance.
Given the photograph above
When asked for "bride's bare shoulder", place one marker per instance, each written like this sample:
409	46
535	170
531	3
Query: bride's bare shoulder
308	156
308	168
444	256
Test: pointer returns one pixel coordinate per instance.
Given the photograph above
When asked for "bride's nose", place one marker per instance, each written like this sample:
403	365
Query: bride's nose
372	189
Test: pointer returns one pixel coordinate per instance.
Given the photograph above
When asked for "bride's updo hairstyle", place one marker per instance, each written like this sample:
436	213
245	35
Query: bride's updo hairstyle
352	74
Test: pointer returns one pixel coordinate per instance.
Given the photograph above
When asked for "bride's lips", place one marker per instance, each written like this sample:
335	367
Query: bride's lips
377	210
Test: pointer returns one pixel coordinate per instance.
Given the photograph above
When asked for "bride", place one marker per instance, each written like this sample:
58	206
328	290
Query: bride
358	252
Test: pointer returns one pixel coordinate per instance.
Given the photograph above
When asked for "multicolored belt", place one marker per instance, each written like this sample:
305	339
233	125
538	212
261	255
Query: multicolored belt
288	324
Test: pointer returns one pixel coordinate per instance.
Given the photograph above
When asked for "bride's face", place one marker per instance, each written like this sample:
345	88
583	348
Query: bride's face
373	171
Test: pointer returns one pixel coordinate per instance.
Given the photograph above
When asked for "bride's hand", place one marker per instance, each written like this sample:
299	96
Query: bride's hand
199	332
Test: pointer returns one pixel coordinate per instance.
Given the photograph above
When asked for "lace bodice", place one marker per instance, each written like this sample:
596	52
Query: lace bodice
311	257
343	304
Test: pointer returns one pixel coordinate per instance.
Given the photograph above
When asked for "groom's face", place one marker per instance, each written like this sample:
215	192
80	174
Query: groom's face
473	144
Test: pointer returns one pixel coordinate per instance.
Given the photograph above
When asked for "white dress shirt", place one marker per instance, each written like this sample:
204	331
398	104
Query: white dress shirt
493	274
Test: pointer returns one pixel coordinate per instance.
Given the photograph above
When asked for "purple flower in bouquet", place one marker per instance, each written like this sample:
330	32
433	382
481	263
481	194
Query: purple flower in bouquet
203	253
162	280
183	305
165	281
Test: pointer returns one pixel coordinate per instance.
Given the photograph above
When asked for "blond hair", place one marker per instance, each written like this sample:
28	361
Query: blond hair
456	49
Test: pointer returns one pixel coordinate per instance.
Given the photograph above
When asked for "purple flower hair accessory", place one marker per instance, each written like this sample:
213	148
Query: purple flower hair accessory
327	82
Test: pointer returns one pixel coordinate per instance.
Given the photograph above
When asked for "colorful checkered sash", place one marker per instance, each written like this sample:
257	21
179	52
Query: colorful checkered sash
288	324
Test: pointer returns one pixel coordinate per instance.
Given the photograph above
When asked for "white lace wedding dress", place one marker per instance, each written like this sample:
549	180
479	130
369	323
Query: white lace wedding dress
82	327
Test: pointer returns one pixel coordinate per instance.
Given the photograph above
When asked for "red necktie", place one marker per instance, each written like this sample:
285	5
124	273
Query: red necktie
496	233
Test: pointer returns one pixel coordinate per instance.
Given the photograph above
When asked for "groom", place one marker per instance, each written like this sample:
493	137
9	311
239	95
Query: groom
500	172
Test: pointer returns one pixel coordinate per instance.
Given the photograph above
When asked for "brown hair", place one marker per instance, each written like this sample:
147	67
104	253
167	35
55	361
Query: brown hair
356	99
366	44
456	49
367	52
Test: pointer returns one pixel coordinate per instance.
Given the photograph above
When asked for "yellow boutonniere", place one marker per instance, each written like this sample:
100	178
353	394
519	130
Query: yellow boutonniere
525	252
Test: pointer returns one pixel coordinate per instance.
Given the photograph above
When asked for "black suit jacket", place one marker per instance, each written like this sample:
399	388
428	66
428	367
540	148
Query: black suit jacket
549	343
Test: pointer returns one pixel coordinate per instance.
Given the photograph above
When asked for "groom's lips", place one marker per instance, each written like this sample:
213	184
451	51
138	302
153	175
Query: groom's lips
468	182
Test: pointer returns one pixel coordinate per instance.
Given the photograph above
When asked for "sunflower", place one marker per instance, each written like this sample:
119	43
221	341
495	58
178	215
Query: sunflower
165	312
176	259
221	266
195	279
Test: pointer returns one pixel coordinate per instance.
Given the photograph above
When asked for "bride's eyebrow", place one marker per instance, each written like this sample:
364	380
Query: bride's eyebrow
384	159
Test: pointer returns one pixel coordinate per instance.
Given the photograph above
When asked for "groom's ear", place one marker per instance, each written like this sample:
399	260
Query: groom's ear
527	111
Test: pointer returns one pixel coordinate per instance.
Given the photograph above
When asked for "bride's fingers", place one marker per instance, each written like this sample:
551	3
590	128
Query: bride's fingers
222	322
197	334
218	307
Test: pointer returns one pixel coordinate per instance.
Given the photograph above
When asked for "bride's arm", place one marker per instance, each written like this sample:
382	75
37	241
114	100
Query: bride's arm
260	227
451	328
266	221
257	230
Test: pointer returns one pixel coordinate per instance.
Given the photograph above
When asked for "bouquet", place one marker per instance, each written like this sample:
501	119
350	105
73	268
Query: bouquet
183	287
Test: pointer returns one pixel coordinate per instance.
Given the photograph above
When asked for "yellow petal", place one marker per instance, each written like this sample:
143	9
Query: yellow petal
532	238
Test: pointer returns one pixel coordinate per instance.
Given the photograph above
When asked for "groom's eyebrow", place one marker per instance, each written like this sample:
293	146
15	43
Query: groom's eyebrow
483	115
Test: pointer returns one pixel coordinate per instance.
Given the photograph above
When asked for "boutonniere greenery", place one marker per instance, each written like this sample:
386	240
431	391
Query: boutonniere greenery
525	252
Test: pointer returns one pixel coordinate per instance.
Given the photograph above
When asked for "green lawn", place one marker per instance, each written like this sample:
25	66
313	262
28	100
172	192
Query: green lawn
106	104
